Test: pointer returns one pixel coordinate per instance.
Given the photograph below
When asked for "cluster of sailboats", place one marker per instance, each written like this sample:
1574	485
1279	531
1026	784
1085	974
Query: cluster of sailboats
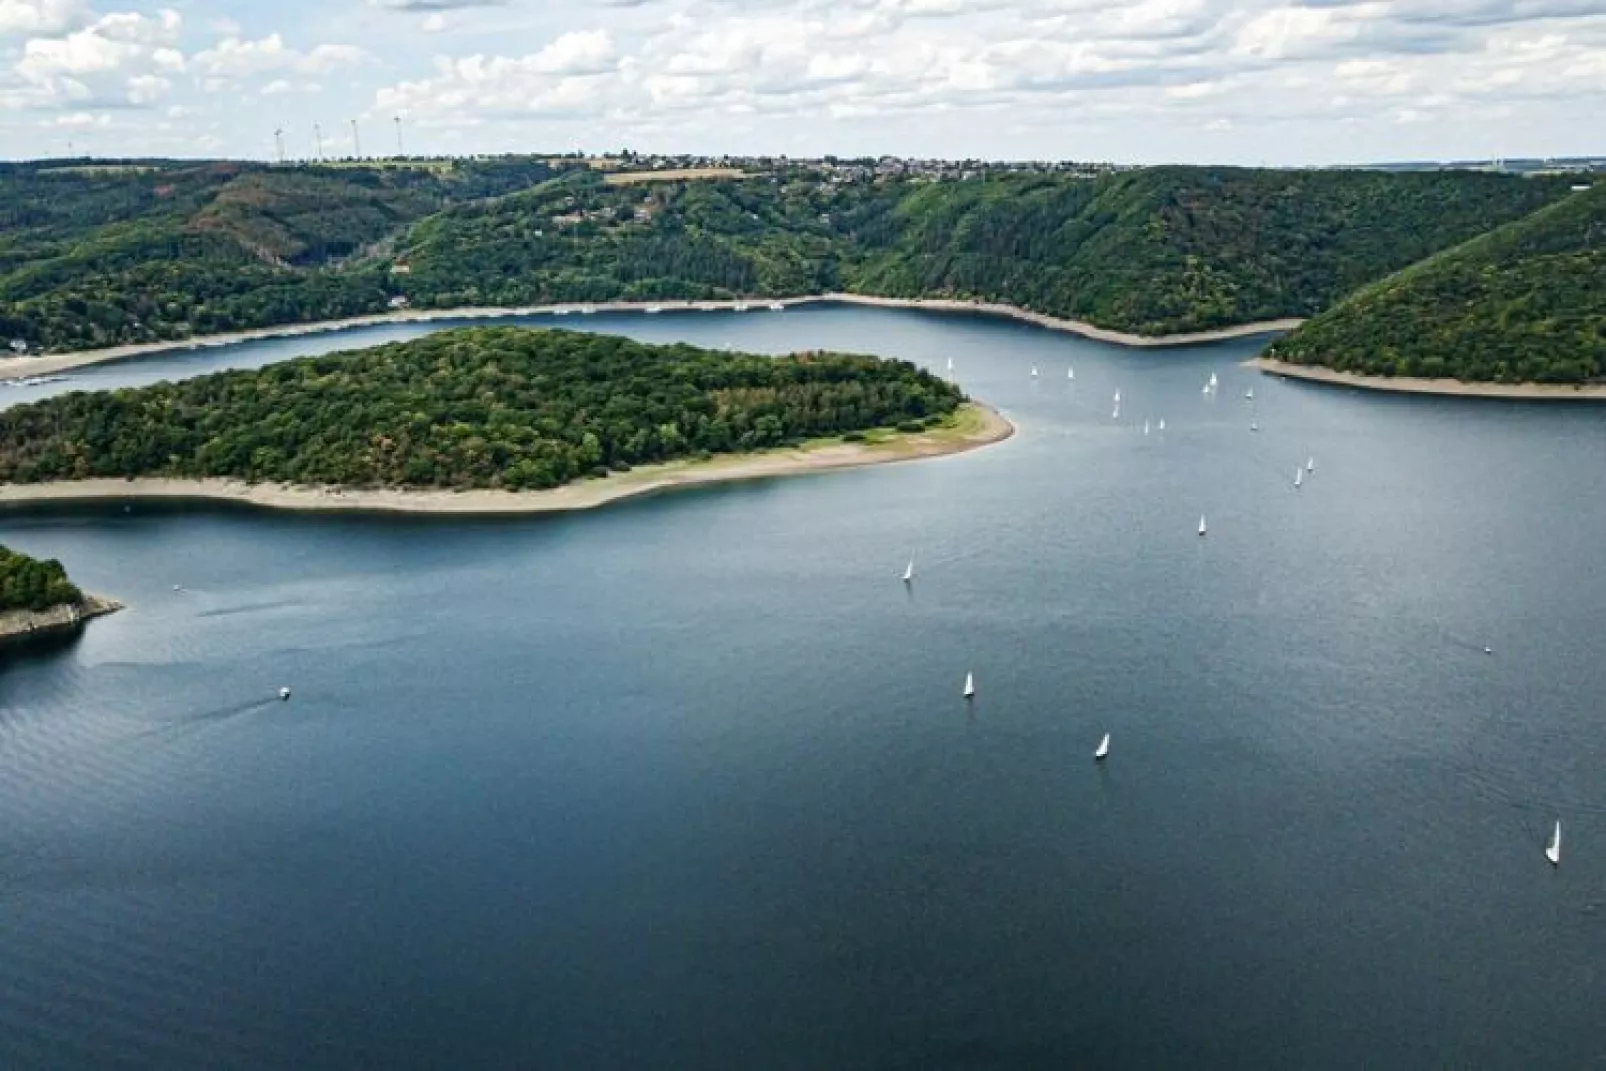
1301	472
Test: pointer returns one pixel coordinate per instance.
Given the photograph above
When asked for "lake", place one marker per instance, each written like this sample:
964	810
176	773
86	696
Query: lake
688	781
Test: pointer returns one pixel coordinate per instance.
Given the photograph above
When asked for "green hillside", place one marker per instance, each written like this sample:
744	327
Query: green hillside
94	256
1523	303
506	407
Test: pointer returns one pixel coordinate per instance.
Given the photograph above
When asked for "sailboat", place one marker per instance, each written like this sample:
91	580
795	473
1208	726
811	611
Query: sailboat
777	307
1162	423
1103	749
1249	395
1034	371
1070	373
909	571
284	693
1145	427
1201	524
950	364
1212	381
1205	390
1553	849
1253	426
1310	464
1115	414
1117	397
1299	475
970	685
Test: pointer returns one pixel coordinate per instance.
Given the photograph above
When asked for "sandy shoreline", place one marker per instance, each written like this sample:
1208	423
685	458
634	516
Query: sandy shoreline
1452	387
51	364
977	425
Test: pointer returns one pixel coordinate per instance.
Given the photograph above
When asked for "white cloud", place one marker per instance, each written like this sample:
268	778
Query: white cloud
41	17
1185	78
233	58
147	88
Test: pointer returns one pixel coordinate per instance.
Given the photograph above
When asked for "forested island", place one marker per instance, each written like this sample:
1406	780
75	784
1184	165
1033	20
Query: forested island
1525	303
93	257
36	597
502	409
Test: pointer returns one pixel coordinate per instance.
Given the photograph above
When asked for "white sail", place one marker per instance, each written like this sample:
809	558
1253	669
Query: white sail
1117	397
1310	464
1299	475
1250	394
1034	371
1553	849
1162	423
1070	373
970	685
1115	414
1145	427
950	364
1201	524
1212	380
909	571
1253	426
1103	748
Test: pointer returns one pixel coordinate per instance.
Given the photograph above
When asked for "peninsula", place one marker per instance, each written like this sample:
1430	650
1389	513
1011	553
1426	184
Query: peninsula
492	419
37	599
1519	312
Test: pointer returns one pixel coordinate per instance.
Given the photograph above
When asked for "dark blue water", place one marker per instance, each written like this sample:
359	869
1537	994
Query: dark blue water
687	782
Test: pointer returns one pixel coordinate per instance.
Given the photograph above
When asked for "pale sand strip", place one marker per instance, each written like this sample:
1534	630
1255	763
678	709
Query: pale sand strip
18	367
1407	385
976	425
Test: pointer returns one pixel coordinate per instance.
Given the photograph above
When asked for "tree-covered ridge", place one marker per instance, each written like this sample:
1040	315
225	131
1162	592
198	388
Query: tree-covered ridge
96	257
513	408
1154	251
29	584
1523	303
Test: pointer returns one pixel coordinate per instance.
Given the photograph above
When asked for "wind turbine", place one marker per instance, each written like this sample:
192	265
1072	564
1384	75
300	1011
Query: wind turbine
317	132
278	140
399	152
356	141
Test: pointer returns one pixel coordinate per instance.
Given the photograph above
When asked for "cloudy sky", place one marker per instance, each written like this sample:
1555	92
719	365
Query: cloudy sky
1249	81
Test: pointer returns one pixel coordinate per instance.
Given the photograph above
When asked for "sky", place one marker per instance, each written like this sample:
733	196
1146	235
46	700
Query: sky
1233	81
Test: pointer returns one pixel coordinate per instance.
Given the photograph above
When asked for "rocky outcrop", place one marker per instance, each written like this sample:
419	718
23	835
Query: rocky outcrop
23	624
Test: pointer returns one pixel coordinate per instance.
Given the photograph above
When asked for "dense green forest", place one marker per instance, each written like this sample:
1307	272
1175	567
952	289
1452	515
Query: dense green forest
1523	303
93	256
514	408
29	584
97	255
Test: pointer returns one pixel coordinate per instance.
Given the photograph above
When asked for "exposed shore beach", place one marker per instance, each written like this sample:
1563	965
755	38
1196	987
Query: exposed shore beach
1454	387
975	425
28	624
51	364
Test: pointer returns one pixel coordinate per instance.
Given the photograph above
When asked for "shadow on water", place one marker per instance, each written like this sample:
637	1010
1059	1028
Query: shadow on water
19	651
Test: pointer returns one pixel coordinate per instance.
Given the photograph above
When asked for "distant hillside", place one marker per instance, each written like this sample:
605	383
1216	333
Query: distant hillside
92	256
1523	303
